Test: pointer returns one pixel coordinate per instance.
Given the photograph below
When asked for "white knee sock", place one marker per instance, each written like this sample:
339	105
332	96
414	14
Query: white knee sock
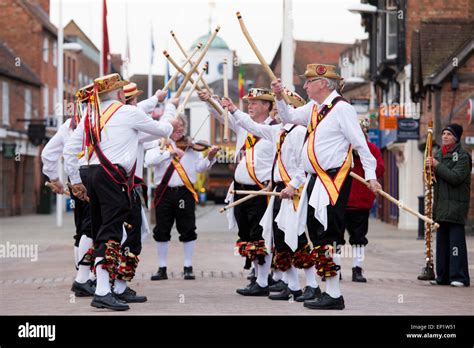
310	275
332	283
358	254
284	277
292	276
83	272
76	255
162	249
264	271
119	286
103	285
255	267
188	253
277	275
92	276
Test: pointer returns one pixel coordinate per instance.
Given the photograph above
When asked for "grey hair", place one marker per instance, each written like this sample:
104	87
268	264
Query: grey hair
331	83
182	118
111	95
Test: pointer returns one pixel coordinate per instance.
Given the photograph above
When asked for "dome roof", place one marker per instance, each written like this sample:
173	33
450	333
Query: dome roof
216	43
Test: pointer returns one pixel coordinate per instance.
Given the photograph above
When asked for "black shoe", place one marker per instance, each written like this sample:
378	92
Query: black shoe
325	302
160	274
357	275
254	290
130	296
271	281
309	293
427	273
286	294
188	273
251	274
109	301
278	286
83	289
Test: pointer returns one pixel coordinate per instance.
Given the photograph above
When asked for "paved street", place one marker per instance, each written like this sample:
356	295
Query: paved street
392	262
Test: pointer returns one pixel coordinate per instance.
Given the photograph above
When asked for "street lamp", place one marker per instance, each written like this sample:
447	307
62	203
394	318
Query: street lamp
367	9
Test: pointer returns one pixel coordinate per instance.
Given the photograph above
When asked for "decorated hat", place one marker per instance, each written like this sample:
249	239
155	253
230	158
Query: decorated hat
321	70
84	93
295	99
260	94
108	83
131	90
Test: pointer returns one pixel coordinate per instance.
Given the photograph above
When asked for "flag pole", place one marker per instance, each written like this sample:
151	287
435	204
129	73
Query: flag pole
59	110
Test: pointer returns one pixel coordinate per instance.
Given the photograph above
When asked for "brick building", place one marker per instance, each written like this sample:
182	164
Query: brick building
80	68
412	47
29	66
307	52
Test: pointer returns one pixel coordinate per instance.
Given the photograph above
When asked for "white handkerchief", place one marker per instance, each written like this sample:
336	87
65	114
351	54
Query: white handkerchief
267	223
302	212
287	221
230	212
319	200
145	231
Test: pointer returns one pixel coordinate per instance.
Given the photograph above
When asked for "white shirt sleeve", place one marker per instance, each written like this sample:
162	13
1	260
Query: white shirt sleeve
148	105
220	117
52	152
297	145
352	131
265	131
300	116
169	113
203	163
141	122
154	157
71	149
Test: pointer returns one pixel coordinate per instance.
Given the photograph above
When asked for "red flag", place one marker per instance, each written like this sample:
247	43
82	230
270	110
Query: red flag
105	39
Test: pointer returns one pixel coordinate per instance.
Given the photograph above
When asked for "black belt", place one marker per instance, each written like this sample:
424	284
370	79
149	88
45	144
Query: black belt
176	188
239	186
331	172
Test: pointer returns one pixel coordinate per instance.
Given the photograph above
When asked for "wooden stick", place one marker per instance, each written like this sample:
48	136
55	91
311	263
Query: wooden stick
255	193
168	84
198	61
193	87
266	67
206	86
239	201
397	202
226	111
258	193
173	62
51	186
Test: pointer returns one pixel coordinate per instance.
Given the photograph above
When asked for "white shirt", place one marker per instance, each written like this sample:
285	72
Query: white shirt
53	150
264	150
290	150
147	107
339	129
192	161
119	139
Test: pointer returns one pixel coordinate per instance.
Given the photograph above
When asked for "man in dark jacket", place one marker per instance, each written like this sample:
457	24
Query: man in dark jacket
360	202
452	190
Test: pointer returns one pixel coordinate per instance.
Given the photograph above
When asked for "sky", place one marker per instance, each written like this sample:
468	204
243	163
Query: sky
313	20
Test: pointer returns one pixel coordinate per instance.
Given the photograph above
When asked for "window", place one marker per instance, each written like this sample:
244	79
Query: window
391	30
5	104
27	106
73	73
45	100
55	53
80	80
45	49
